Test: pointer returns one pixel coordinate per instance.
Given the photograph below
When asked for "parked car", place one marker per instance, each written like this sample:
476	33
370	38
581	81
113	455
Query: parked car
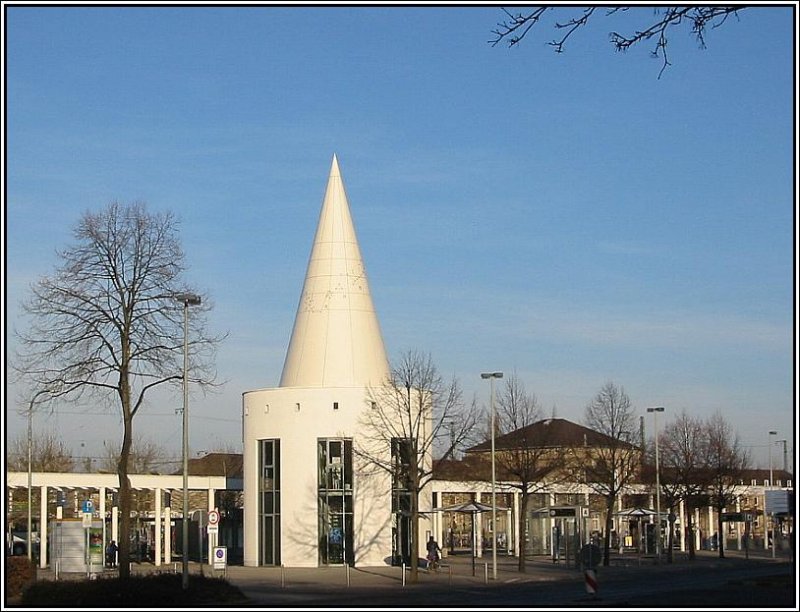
18	543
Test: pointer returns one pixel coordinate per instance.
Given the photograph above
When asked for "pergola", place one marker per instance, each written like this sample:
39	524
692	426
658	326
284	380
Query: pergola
101	484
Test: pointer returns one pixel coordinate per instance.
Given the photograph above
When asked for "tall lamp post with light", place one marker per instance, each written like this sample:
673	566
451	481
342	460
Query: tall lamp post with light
785	463
771	520
655	410
769	448
187	299
491	376
29	536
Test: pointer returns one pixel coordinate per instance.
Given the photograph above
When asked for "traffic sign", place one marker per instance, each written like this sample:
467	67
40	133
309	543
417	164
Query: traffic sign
213	517
220	557
88	506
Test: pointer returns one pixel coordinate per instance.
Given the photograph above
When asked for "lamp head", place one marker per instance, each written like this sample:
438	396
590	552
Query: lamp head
189	299
491	375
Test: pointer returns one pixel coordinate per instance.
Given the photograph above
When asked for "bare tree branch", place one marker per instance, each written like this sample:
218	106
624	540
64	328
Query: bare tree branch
528	457
609	468
517	25
411	415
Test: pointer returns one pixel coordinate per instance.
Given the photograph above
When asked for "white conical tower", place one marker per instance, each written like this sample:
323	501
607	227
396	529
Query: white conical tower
336	340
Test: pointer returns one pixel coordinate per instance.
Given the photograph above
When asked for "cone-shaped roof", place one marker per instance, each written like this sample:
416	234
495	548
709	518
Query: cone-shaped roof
336	340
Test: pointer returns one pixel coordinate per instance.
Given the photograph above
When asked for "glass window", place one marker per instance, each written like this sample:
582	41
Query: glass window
335	501
269	502
402	451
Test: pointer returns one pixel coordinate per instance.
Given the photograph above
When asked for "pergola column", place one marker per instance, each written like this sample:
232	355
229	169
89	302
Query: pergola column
212	541
738	524
102	495
478	535
509	532
157	525
43	526
168	531
114	522
515	500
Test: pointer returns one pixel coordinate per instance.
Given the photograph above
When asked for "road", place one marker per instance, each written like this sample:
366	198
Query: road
756	584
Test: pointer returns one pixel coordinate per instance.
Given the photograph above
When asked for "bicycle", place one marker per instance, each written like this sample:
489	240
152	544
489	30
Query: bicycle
433	564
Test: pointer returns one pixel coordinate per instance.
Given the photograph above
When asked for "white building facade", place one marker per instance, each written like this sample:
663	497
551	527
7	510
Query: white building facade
308	499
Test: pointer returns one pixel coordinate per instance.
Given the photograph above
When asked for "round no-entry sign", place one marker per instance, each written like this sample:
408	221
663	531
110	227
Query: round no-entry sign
213	517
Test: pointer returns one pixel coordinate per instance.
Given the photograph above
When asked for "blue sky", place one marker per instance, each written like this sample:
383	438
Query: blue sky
570	217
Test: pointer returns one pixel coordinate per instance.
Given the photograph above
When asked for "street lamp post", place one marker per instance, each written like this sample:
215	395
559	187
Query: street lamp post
491	376
785	464
655	410
771	521
772	433
187	299
29	536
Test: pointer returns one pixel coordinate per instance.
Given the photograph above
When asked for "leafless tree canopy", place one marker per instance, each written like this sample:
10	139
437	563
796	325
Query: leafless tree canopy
419	408
702	462
726	462
109	310
682	454
48	454
145	457
533	461
610	467
106	323
416	403
699	18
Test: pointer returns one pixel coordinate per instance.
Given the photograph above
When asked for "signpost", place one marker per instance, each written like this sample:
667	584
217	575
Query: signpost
213	522
220	557
93	541
213	529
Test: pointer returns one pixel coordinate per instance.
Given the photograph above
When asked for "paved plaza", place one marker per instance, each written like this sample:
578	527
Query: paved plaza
631	580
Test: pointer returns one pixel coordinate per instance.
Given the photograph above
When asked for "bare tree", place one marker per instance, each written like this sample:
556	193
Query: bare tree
48	454
682	453
528	459
611	466
106	323
726	461
517	25
411	415
144	457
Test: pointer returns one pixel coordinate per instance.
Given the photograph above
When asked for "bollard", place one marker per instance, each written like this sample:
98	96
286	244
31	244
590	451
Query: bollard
486	573
591	582
450	575
283	577
404	573
347	572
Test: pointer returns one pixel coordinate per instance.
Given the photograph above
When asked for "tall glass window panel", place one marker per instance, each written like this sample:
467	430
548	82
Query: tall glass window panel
402	450
269	502
335	501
